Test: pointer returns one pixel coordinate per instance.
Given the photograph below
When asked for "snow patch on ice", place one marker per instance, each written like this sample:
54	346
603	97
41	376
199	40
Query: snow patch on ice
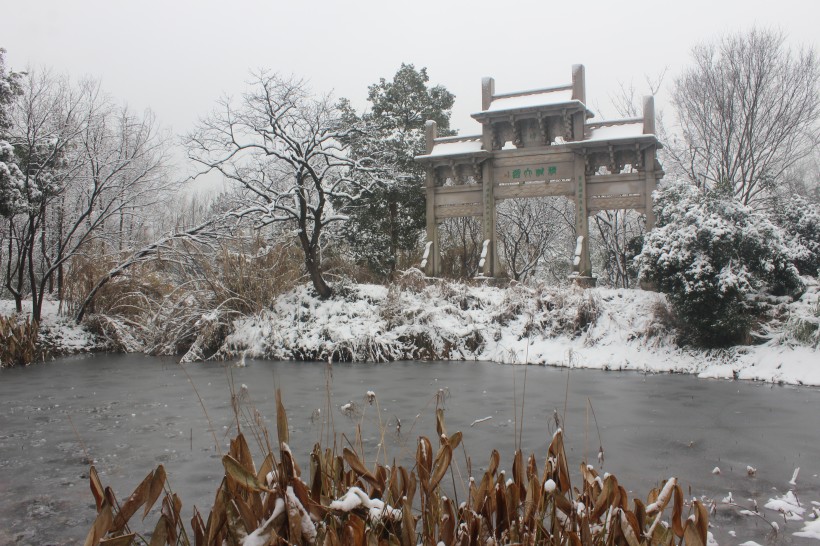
788	505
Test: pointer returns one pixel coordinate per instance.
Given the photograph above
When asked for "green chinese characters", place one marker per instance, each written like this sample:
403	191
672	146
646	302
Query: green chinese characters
527	172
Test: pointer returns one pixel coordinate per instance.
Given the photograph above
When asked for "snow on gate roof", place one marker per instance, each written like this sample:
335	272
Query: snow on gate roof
531	100
454	146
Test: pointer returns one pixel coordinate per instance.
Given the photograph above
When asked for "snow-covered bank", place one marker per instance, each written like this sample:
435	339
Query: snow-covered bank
59	335
596	328
558	326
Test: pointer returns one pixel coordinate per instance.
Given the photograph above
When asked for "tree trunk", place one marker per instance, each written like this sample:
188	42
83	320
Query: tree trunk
393	207
314	269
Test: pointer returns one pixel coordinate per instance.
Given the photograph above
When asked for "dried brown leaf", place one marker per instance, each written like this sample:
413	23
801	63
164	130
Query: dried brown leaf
495	458
443	459
408	526
440	428
281	419
677	511
241	475
629	527
157	484
130	506
455	440
691	535
358	467
424	461
102	524
244	453
605	498
160	535
701	520
556	449
447	529
122	540
96	488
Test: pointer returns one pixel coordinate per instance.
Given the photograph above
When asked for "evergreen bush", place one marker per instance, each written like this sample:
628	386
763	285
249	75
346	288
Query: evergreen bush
800	219
712	255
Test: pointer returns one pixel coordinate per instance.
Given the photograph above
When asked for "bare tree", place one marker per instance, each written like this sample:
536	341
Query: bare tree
206	233
283	148
461	243
45	121
616	243
748	109
87	166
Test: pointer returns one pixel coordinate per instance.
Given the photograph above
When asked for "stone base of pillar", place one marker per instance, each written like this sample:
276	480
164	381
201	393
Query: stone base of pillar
584	282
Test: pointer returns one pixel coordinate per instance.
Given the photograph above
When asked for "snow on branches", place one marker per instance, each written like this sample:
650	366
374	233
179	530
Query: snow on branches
284	149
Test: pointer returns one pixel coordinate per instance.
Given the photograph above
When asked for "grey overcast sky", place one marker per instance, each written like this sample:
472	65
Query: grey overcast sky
178	56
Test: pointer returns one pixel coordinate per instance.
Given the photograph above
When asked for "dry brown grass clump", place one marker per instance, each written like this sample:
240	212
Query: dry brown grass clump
343	501
18	341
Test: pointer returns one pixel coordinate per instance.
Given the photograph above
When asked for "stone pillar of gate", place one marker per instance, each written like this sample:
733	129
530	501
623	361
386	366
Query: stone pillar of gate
432	251
582	265
490	257
488	254
649	160
579	93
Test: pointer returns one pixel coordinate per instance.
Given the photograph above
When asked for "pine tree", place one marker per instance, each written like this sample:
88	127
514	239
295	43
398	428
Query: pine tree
386	225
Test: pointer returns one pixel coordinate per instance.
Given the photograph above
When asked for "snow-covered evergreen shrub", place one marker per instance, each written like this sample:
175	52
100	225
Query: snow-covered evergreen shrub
800	220
711	254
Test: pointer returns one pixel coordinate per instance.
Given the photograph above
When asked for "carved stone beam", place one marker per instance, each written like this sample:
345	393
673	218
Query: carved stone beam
497	144
438	175
567	124
477	171
613	167
543	126
517	140
589	167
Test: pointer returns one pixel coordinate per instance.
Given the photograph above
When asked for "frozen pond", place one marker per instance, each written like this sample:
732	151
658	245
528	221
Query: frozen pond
133	412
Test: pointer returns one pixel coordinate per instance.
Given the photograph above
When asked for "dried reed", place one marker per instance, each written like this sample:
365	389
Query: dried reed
343	501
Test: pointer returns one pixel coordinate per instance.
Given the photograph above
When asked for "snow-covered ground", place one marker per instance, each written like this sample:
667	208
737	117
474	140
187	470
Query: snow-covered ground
596	328
59	333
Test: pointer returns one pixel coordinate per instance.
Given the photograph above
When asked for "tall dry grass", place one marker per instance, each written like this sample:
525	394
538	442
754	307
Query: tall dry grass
18	341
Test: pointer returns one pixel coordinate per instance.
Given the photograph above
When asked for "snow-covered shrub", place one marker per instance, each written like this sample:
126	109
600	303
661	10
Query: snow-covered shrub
800	220
711	254
805	329
663	320
413	279
11	181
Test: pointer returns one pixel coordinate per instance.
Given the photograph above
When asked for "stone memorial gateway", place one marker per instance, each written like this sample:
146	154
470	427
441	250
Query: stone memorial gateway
539	143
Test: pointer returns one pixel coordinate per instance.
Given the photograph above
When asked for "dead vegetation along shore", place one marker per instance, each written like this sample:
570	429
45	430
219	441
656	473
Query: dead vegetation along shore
343	500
